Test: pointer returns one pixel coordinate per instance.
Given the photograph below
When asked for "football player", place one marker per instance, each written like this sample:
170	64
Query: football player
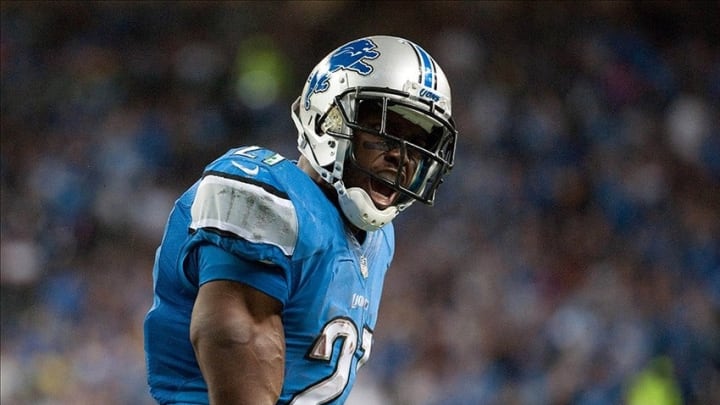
269	275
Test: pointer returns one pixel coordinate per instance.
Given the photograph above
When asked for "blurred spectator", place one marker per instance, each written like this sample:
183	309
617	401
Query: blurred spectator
581	262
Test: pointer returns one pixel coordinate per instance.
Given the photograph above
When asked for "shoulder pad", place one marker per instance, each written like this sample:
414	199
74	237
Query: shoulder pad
250	161
245	208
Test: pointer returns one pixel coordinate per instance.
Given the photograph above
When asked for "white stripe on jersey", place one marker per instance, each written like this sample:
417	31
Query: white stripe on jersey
246	210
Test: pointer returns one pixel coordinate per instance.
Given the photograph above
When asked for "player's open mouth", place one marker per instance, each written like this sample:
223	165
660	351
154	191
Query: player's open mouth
382	194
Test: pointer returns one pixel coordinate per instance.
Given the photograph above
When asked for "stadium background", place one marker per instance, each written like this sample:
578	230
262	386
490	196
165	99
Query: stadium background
573	256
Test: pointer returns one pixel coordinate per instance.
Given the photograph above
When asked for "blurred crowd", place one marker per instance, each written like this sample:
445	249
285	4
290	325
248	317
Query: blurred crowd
573	256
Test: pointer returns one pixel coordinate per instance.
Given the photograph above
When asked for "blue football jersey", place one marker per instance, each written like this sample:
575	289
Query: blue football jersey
262	208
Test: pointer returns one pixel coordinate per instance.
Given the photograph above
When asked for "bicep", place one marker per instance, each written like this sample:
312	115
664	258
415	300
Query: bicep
234	305
237	334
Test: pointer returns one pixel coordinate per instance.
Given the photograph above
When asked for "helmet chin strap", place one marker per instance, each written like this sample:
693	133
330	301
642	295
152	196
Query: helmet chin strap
360	210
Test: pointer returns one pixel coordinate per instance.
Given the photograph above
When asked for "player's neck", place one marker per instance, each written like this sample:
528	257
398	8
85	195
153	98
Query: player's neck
331	194
356	232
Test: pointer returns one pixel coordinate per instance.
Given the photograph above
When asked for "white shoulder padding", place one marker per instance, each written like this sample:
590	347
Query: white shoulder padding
246	210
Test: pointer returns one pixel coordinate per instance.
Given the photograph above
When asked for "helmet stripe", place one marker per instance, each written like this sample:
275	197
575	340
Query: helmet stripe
427	68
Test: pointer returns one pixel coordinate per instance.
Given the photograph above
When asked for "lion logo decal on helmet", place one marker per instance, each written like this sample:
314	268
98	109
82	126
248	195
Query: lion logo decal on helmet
350	57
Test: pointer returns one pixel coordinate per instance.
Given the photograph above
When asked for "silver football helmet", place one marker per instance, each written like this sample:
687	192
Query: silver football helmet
399	77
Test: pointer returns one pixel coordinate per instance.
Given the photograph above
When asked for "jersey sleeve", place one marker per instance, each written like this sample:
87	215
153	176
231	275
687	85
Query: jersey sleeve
215	263
250	218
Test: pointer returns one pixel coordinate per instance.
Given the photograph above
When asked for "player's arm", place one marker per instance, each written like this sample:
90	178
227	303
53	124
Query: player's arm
239	343
236	327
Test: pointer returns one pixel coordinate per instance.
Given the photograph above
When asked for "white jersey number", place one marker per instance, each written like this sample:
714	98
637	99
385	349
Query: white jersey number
333	386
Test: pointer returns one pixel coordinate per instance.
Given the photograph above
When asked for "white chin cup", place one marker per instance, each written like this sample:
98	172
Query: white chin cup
360	210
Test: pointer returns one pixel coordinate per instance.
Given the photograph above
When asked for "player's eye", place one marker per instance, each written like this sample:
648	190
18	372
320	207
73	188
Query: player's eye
384	145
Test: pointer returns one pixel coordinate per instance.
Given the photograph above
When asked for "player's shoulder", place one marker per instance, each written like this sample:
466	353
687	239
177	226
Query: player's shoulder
243	195
267	170
250	162
387	235
257	195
